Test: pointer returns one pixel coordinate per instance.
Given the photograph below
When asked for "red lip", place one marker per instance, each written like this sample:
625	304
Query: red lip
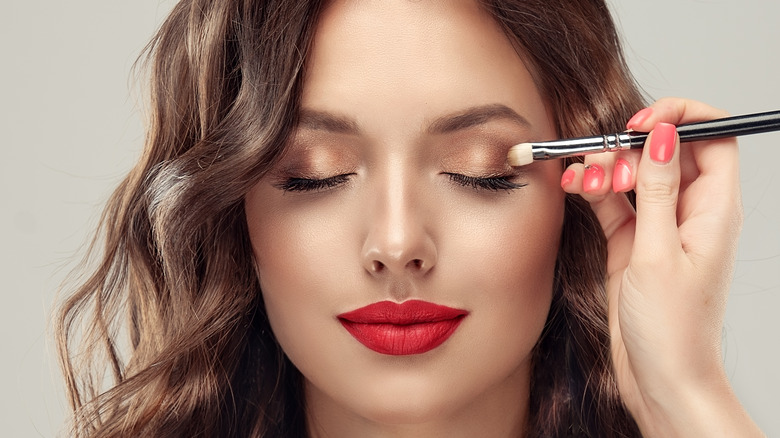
411	327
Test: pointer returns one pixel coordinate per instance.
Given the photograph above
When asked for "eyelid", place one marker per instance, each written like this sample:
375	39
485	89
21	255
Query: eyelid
492	182
307	184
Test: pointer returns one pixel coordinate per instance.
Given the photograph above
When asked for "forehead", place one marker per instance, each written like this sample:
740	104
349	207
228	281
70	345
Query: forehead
411	60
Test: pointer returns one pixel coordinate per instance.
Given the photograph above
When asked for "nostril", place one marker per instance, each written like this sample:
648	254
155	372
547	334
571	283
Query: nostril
377	266
412	266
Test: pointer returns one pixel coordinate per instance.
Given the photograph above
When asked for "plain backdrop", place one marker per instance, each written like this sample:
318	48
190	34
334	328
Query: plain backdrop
70	128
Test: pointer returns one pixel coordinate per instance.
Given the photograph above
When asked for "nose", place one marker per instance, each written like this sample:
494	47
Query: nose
399	240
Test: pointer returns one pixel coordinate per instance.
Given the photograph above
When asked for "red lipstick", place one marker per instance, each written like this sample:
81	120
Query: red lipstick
411	327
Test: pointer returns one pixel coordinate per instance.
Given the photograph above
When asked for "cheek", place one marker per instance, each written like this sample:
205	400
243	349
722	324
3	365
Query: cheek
518	270
514	240
299	257
508	264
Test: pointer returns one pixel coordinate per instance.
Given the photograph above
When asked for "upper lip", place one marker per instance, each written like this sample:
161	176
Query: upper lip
406	313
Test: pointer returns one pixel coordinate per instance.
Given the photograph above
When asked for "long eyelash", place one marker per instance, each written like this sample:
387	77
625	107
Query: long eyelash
295	184
492	183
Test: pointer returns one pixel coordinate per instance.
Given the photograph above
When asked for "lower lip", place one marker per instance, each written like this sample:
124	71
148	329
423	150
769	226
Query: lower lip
400	340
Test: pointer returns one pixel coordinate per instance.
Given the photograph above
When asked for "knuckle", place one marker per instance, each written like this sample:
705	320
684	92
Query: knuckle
658	192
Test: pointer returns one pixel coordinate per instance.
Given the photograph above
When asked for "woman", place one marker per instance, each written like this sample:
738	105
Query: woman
323	237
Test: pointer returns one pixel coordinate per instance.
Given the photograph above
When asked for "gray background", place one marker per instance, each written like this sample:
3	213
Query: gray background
70	127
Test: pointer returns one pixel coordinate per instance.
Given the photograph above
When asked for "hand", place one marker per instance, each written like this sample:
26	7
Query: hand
669	267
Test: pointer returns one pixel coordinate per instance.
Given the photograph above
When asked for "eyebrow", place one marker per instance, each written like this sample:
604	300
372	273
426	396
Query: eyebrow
325	121
475	116
478	115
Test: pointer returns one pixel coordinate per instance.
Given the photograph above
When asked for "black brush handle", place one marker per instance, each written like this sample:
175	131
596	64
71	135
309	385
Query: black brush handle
721	128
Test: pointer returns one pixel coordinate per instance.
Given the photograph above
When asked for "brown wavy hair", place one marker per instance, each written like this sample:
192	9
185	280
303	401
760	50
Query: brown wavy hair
167	334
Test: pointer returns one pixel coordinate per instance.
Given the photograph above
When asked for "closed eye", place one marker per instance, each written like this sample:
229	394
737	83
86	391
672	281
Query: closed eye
297	184
491	183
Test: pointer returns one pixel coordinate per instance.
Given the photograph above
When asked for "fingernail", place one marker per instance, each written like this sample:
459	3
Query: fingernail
621	179
593	178
662	142
639	117
567	178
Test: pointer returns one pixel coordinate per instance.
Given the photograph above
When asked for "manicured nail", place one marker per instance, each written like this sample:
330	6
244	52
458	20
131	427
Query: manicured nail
567	178
662	142
639	117
593	178
621	179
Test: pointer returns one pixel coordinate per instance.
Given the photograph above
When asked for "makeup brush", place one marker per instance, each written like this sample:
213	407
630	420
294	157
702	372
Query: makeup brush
525	153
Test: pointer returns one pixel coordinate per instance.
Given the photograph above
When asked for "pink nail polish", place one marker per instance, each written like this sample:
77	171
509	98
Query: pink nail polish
662	142
593	178
621	179
639	117
567	178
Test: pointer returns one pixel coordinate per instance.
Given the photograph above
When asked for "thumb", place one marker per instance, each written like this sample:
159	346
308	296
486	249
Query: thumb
657	189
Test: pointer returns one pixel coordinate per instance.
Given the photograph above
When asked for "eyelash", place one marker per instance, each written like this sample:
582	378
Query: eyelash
295	184
491	183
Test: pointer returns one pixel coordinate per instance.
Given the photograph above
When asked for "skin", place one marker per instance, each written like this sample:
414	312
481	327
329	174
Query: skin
669	269
391	224
397	105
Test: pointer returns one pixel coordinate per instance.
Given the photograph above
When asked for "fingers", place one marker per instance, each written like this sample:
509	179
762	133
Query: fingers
709	173
655	176
672	184
672	110
623	177
718	158
601	180
617	172
657	189
595	182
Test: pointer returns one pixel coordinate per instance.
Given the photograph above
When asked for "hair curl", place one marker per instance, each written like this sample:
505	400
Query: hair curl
176	281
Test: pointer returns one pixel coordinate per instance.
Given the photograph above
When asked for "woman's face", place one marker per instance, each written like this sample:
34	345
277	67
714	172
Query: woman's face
395	189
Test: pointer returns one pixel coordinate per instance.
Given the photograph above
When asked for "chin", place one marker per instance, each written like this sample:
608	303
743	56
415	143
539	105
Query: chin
404	396
416	406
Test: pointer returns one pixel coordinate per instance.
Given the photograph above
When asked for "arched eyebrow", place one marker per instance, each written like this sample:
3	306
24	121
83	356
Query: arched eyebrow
325	121
478	115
